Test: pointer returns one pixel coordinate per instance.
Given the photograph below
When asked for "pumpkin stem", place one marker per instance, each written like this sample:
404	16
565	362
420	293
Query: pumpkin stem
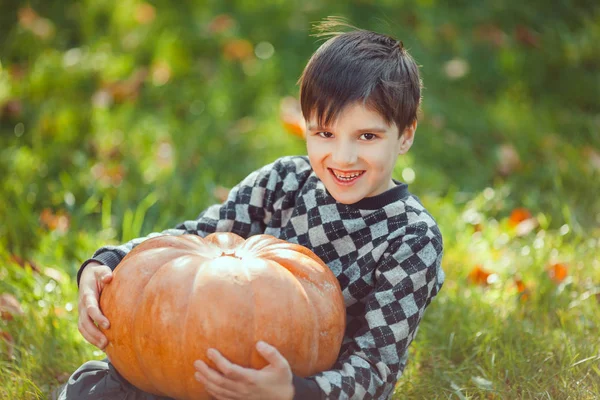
229	253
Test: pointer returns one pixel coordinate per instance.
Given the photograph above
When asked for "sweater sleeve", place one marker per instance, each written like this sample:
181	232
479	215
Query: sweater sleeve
246	212
372	360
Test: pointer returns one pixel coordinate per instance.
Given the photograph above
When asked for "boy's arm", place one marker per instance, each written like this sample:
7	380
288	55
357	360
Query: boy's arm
246	212
372	360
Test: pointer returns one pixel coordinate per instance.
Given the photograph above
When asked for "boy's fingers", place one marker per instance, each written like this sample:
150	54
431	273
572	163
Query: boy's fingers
92	334
92	309
96	315
104	274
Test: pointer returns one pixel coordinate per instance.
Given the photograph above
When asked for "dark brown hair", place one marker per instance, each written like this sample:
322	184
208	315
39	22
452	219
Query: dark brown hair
360	65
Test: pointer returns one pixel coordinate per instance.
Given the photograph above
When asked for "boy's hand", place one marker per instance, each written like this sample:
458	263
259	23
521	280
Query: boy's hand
231	381
93	279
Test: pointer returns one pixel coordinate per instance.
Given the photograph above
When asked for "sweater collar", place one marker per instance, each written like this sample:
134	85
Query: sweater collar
398	192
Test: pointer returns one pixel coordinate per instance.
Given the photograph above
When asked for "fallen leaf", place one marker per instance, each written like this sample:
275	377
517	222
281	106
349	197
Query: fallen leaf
291	116
490	33
522	289
9	307
238	49
108	176
221	23
221	193
128	89
557	272
144	13
22	263
27	17
479	276
527	36
58	222
59	311
244	125
518	215
31	21
10	343
161	73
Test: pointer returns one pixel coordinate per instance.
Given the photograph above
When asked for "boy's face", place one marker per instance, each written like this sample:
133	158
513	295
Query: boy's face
355	156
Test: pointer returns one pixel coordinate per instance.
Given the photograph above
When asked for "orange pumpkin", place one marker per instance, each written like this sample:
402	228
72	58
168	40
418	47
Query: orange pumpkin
174	297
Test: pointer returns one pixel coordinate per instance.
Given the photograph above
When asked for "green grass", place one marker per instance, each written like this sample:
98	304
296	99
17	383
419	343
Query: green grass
492	342
474	342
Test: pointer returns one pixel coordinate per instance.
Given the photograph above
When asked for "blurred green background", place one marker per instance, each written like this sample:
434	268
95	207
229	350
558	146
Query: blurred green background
118	118
115	101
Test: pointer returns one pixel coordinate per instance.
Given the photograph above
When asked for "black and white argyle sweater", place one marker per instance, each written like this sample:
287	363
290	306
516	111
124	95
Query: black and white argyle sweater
385	251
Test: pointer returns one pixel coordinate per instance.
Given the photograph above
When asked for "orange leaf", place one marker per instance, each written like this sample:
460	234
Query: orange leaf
144	13
518	215
479	276
9	307
291	116
490	33
557	272
238	49
59	311
524	292
55	222
294	128
22	263
31	21
221	193
124	90
161	73
527	36
10	342
108	176
27	17
221	23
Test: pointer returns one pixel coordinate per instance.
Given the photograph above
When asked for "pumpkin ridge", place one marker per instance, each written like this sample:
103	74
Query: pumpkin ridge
139	350
136	349
188	390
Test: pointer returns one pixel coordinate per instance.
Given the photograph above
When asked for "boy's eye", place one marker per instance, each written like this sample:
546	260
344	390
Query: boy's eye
369	136
325	134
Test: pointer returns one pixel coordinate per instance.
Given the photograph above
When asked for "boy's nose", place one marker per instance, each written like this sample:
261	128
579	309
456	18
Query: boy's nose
344	156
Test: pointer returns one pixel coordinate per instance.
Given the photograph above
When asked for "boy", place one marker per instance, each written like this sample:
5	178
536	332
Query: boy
360	93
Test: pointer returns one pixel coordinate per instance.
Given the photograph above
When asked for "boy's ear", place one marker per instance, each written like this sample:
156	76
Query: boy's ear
407	138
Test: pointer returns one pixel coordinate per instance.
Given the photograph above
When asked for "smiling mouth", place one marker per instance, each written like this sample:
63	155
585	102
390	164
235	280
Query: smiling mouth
346	177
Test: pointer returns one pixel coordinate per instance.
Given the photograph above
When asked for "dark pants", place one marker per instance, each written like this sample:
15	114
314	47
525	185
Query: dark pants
99	380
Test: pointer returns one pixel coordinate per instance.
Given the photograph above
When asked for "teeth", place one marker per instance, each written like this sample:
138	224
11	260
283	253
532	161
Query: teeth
348	177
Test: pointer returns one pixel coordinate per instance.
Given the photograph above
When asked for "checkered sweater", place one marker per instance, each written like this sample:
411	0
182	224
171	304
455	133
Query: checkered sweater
385	251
